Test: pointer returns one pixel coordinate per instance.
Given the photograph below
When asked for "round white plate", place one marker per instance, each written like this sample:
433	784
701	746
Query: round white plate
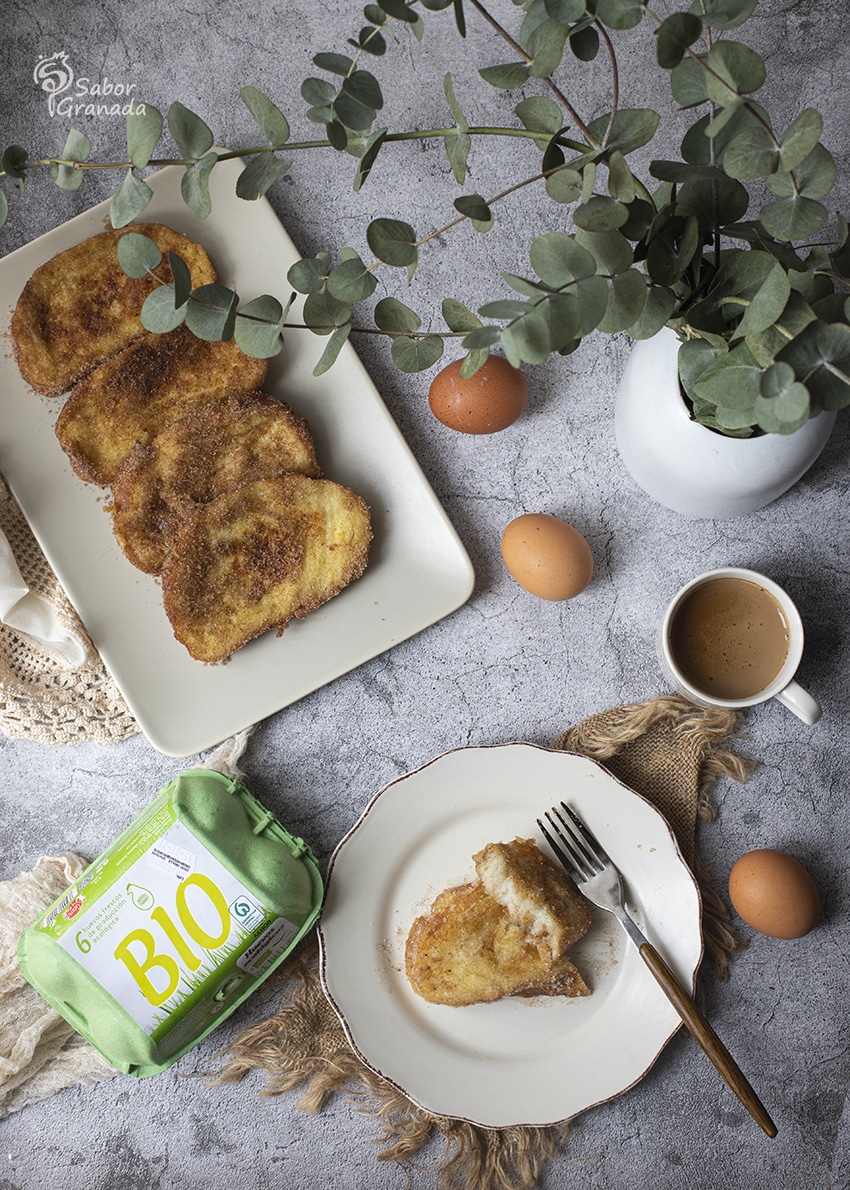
516	1061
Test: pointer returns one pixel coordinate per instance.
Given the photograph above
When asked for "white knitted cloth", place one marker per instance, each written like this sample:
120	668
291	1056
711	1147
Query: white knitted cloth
42	697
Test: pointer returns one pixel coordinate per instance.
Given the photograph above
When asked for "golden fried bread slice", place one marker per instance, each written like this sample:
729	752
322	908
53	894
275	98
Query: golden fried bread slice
466	950
135	394
258	556
80	307
536	892
218	447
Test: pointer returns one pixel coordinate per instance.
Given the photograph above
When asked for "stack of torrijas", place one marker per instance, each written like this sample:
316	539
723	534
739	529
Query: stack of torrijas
216	487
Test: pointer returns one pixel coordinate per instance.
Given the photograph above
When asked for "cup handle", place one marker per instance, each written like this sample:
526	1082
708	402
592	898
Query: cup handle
798	700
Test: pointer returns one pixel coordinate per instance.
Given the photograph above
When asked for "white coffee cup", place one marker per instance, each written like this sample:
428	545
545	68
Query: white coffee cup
782	686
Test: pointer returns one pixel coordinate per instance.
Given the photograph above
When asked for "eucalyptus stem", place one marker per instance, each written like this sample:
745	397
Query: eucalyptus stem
552	86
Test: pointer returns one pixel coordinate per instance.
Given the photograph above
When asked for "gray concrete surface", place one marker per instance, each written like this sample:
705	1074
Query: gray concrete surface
503	667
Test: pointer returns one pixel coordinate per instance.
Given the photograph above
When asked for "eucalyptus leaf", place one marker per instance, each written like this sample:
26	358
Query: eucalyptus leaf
820	357
723	14
558	260
129	200
800	138
688	82
257	330
371	149
416	355
333	347
77	148
372	41
158	314
484	337
334	63
181	278
351	113
563	316
565	11
337	136
13	161
395	317
259	174
592	294
621	182
814	177
793	218
527	339
393	241
458	317
754	284
564	186
732	382
4	208
211	312
600	213
399	10
620	14
195	186
457	145
734	70
696	357
526	287
507	77
504	308
473	362
610	249
365	88
454	106
351	281
632	129
191	134
584	43
308	275
656	313
473	206
752	154
676	34
144	128
138	254
626	300
273	123
726	200
323	312
538	113
318	92
547	48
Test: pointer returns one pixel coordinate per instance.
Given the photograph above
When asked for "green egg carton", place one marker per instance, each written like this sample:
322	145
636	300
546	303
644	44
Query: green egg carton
175	924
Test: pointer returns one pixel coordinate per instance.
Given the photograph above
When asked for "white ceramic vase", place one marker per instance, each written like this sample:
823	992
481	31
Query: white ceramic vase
689	468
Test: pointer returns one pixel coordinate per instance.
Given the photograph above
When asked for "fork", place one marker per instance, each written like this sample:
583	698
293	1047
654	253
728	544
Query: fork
590	866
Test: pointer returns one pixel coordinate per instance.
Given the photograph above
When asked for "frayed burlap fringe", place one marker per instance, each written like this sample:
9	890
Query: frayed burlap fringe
304	1047
669	751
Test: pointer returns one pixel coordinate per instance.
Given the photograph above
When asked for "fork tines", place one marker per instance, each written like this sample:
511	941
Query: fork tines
575	846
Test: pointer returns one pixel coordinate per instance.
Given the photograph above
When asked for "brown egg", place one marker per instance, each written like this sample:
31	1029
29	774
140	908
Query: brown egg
547	556
774	894
485	403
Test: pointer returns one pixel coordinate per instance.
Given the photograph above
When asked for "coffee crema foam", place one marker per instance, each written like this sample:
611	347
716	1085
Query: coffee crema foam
730	638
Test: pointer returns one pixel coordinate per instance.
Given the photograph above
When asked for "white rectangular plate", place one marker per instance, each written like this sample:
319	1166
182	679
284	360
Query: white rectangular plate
418	570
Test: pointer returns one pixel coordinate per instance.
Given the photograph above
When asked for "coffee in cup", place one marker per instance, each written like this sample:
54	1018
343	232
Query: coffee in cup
733	638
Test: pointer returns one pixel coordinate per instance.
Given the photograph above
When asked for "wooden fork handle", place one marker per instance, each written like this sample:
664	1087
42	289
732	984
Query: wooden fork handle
702	1032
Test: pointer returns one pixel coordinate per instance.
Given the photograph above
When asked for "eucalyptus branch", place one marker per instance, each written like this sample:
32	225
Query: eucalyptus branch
552	86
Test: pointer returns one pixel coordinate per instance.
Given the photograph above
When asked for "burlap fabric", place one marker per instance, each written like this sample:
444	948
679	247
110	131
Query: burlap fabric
41	697
667	750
